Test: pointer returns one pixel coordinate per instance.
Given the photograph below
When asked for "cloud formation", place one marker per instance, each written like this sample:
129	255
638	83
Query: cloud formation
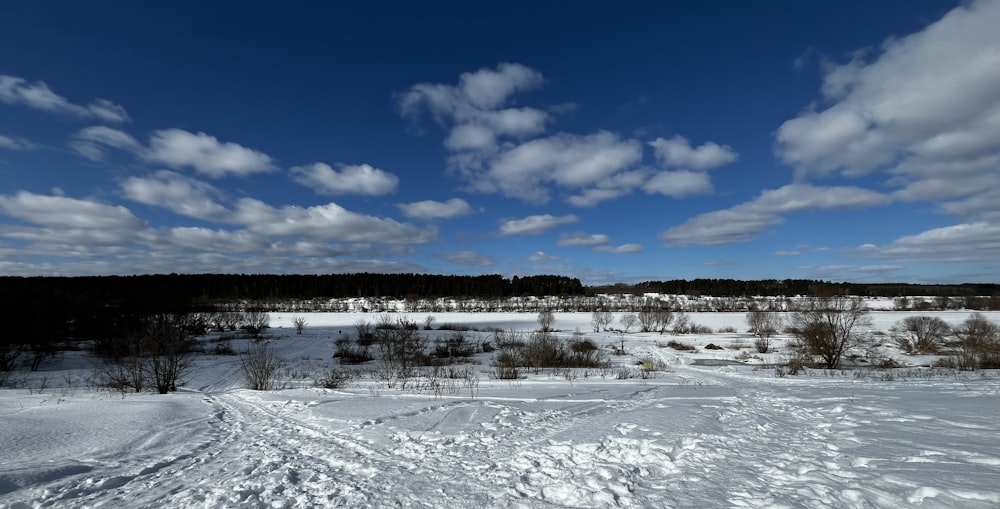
744	221
499	149
176	148
38	95
429	209
533	225
349	179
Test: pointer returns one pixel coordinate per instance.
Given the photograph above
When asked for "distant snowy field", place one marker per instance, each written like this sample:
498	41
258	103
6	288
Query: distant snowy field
693	435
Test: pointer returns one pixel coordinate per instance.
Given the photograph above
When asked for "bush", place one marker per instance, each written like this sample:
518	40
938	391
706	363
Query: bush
261	365
334	379
350	352
676	345
919	334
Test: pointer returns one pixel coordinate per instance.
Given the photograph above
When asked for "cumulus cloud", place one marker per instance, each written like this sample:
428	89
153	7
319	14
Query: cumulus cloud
533	225
565	160
483	90
744	221
38	95
924	107
64	212
176	192
176	149
430	209
678	153
679	184
469	258
582	239
500	149
326	222
350	179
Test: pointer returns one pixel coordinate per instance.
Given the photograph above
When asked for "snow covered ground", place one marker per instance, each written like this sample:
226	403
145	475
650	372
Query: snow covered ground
693	435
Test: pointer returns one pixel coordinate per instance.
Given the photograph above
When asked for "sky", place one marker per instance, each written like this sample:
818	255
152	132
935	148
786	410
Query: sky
609	141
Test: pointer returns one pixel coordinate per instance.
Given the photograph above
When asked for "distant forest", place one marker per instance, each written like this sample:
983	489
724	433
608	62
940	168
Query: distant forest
192	292
42	308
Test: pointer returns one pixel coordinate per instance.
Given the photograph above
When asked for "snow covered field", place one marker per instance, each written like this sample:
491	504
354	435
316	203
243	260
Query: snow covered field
692	435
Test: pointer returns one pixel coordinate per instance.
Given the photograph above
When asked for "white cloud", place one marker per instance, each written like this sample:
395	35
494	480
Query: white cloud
430	209
744	221
568	161
38	95
350	179
327	222
469	258
205	240
624	248
177	148
787	253
582	239
15	143
957	243
533	225
679	184
90	142
176	192
678	153
483	90
542	257
63	212
924	107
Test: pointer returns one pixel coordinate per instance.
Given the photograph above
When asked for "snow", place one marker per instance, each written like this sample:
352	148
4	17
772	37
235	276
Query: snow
702	436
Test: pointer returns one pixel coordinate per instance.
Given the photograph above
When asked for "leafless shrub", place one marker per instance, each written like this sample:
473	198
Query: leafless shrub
764	325
261	366
299	322
349	351
600	319
676	345
546	320
654	317
334	379
255	321
829	327
919	334
979	343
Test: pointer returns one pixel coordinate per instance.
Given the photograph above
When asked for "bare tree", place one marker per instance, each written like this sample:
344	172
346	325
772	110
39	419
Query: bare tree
255	321
628	320
546	320
299	322
9	352
919	334
829	327
600	319
169	352
653	317
764	325
979	343
261	365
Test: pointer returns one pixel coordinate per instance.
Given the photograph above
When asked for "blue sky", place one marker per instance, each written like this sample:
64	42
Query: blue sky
610	141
